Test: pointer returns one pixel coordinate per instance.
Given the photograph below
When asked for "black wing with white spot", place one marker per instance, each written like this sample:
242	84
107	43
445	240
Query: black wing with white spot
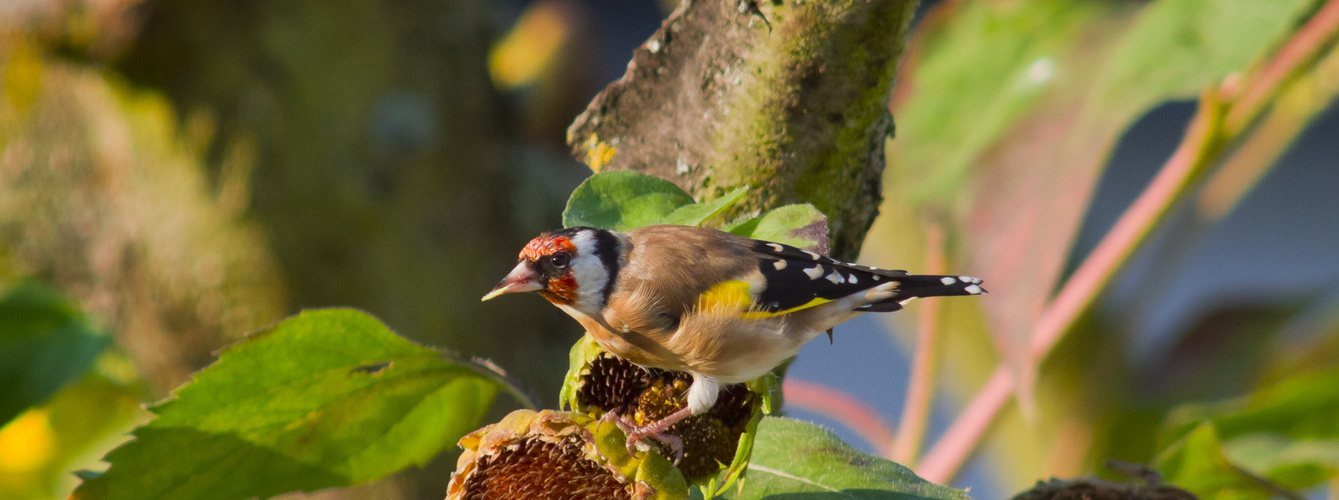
795	278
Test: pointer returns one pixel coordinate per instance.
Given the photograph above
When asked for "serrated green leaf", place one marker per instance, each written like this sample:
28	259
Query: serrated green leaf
326	398
697	213
801	226
622	200
802	460
45	343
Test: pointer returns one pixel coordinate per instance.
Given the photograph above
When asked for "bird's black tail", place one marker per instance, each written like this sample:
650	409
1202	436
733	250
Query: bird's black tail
918	286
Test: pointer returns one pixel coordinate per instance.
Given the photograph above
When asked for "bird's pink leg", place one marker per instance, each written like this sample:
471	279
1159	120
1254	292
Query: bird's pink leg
657	430
624	424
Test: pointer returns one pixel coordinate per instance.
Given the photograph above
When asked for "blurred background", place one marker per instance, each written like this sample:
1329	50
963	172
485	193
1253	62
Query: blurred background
179	173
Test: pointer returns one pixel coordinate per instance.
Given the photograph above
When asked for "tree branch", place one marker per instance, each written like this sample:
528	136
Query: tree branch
790	100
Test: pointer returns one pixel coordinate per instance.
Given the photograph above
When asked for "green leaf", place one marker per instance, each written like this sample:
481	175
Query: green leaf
326	398
45	343
1197	463
622	200
697	213
1295	464
1176	48
82	421
1287	433
804	461
1305	406
801	226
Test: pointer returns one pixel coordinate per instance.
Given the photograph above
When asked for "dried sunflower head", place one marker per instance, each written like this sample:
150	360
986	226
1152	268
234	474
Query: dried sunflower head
558	455
600	382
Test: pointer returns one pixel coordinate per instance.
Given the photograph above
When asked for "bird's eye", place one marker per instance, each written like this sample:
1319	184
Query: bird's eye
561	259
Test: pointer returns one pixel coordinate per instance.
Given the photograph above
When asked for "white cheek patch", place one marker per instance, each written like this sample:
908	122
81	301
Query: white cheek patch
591	275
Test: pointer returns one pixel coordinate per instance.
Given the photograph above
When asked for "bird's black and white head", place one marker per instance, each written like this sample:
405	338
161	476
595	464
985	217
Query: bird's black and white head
574	267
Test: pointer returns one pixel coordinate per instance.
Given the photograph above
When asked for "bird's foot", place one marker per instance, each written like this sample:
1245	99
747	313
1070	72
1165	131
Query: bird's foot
655	430
625	424
675	444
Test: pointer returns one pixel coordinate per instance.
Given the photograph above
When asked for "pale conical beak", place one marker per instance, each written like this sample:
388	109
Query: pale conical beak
520	279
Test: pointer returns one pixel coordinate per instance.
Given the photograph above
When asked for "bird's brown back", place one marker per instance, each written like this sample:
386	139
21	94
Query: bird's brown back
676	264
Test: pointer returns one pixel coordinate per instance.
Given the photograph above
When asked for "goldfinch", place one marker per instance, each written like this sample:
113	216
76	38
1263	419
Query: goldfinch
724	308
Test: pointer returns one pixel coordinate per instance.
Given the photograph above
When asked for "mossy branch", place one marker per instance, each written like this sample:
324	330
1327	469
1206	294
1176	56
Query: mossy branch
787	98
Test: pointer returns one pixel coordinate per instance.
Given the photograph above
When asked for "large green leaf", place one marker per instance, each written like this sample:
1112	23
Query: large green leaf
326	398
801	460
1176	48
45	342
622	200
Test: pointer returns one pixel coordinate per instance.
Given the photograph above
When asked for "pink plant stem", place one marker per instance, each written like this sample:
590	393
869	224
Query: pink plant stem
1308	44
842	407
948	455
1120	242
1197	149
920	388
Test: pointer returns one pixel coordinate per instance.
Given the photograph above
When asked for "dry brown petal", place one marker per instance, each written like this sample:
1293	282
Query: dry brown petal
536	468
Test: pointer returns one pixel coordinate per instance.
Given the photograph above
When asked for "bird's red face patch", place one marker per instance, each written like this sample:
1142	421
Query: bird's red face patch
561	286
545	244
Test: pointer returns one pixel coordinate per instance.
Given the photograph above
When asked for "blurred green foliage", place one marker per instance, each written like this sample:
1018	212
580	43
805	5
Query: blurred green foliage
45	343
1287	433
1007	114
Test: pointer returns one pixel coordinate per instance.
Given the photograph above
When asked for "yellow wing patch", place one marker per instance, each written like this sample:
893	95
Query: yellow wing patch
733	294
736	295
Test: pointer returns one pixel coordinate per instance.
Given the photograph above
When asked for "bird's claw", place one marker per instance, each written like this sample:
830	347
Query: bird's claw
675	444
637	433
624	424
